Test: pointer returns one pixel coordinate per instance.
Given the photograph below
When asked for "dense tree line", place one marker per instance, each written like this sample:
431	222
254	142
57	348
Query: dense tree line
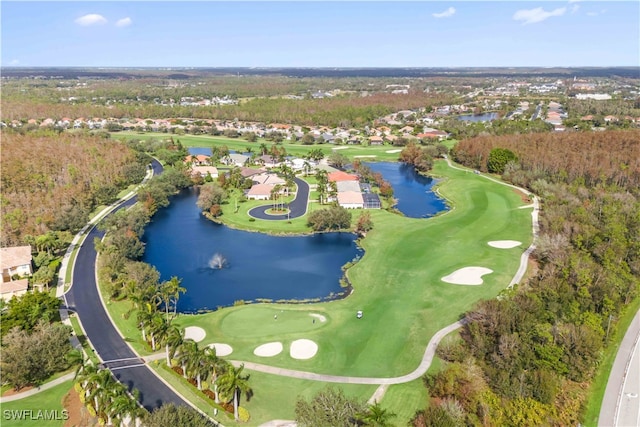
527	357
606	158
52	182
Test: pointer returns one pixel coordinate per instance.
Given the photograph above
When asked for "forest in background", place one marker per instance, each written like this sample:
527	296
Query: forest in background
51	182
529	356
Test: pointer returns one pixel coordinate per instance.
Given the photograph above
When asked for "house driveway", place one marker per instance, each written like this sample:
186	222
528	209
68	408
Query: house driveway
297	207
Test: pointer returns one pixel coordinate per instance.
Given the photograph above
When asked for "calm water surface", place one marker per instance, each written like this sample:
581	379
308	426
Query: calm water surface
181	242
485	117
413	191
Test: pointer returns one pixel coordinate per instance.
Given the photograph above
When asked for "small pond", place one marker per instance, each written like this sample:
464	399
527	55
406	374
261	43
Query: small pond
219	265
413	191
485	117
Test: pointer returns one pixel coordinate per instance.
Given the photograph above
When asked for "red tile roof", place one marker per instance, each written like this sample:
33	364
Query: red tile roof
341	176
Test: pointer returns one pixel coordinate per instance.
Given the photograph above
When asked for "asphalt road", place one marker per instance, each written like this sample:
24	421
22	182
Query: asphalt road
621	403
297	207
113	351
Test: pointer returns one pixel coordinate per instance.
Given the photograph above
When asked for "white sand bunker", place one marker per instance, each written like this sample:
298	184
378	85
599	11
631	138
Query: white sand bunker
393	151
303	349
370	155
467	276
269	349
195	333
320	317
339	148
221	349
504	244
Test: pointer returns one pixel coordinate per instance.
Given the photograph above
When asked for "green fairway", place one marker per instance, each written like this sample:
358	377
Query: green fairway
372	153
39	410
397	284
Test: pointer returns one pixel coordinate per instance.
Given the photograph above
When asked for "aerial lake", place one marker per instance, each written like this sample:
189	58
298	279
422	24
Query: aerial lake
413	191
219	265
485	117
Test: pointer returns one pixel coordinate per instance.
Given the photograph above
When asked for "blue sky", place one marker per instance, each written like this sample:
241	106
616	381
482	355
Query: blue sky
320	34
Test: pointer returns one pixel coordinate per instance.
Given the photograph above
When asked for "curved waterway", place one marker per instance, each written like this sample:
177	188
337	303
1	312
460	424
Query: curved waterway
220	265
414	192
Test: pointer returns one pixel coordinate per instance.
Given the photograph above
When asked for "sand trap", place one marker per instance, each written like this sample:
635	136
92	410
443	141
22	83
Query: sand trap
504	244
269	349
195	333
339	148
320	317
221	349
371	155
393	151
303	349
467	276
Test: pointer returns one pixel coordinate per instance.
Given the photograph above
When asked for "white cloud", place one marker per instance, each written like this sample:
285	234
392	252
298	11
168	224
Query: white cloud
14	62
91	19
531	16
124	22
447	13
592	13
574	8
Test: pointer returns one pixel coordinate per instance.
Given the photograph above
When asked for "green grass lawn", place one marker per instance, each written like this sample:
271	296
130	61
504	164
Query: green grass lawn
397	285
48	400
373	153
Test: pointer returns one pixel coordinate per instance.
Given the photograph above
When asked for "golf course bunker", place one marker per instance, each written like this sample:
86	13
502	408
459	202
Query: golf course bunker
303	349
393	151
368	155
320	317
269	349
504	244
195	333
221	349
467	276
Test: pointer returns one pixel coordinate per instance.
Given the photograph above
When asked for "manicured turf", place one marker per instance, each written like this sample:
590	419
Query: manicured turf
48	400
238	144
397	285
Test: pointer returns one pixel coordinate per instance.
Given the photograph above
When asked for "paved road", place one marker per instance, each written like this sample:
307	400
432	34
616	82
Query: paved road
297	207
108	344
621	403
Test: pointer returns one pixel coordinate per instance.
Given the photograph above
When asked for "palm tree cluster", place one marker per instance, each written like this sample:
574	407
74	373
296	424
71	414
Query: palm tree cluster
105	397
201	364
155	315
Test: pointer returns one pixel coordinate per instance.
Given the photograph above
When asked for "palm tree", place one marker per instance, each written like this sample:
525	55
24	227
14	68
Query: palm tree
103	382
157	329
145	317
125	406
215	366
195	365
376	416
168	294
172	342
232	383
187	348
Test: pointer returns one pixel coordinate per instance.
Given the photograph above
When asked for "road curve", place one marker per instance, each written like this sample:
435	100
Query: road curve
106	341
297	207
